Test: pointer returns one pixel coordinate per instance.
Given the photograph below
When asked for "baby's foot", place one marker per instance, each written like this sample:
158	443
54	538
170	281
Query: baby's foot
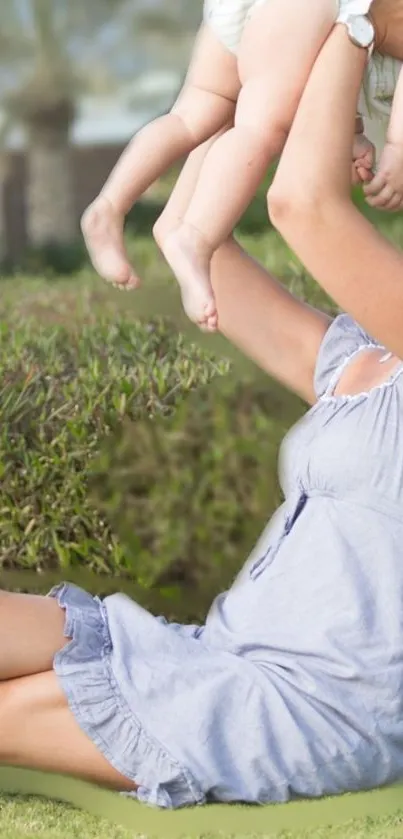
189	256
102	229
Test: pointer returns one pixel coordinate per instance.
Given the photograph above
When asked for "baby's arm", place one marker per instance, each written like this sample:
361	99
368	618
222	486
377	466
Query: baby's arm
205	104
386	189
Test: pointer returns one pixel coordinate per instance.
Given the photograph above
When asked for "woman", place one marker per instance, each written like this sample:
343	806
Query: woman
294	685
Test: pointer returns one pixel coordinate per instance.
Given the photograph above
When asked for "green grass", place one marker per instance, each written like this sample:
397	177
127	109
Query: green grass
37	818
22	817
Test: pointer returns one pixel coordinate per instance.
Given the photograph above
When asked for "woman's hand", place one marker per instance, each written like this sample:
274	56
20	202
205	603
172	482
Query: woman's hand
387	17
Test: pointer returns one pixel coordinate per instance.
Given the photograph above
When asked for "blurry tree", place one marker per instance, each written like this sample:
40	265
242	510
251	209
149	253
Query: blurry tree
5	127
51	51
54	51
169	27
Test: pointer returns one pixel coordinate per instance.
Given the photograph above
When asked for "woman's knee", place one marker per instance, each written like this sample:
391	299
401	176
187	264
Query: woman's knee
39	731
28	705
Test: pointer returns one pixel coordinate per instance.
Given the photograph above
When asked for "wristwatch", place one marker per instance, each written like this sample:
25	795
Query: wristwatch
360	30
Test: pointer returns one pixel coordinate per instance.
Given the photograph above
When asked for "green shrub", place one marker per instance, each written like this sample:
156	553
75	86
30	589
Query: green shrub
108	464
127	451
189	494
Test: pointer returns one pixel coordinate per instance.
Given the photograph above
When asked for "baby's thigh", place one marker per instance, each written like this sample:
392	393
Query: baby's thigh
212	67
279	46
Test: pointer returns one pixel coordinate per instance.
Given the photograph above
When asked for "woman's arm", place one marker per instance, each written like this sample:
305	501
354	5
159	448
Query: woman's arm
257	314
311	205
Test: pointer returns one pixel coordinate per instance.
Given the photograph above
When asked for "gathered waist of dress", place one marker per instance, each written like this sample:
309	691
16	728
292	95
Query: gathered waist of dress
361	497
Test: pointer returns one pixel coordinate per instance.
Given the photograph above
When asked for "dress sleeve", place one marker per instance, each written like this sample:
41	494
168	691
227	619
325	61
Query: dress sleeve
342	341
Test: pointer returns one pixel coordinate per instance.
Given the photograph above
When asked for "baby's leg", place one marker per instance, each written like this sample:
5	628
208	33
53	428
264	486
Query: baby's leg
279	47
205	104
179	200
182	193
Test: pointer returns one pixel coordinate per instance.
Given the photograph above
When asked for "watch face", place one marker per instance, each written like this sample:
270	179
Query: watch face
361	30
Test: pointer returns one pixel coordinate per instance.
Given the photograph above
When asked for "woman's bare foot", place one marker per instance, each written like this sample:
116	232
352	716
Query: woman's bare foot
189	256
103	235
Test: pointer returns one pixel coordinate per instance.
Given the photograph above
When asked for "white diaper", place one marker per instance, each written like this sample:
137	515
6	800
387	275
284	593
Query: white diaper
227	19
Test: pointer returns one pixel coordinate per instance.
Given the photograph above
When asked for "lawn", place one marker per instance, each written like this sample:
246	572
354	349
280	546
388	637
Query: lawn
39	818
101	392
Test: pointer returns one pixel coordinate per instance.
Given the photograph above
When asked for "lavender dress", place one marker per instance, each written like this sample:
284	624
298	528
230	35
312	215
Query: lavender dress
294	685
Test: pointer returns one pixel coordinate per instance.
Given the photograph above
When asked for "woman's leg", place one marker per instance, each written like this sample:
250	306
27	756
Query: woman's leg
31	633
279	47
38	731
205	104
37	728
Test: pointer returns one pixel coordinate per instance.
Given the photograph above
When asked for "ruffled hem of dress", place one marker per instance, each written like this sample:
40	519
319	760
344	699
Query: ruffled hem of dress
84	670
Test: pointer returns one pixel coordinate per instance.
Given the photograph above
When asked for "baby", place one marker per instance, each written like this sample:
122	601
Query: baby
250	64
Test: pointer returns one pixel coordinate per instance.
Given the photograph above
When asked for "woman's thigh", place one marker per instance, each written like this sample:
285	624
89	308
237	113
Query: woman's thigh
38	731
31	633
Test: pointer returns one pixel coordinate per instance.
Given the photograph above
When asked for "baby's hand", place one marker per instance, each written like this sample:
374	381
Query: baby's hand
386	189
363	160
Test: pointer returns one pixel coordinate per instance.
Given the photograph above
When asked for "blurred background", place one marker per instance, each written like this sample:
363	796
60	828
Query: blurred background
134	454
76	82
